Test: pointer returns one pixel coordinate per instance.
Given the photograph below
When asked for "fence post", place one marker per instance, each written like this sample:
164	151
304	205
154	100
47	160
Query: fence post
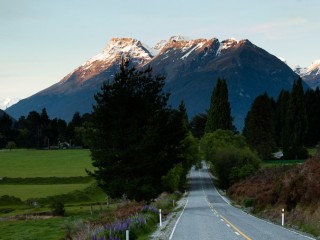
127	234
160	218
282	217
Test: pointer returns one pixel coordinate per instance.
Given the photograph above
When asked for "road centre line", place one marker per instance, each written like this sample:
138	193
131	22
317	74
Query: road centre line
222	218
235	228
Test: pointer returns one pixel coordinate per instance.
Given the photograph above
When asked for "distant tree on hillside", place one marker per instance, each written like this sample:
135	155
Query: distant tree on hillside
219	114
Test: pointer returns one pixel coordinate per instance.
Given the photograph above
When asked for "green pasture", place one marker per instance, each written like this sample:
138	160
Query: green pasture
44	163
25	192
47	229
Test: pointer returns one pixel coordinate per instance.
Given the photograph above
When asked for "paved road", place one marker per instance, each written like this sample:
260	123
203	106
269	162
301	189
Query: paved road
208	216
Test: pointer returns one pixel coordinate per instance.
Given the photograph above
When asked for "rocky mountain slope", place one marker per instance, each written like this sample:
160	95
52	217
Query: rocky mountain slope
310	75
191	68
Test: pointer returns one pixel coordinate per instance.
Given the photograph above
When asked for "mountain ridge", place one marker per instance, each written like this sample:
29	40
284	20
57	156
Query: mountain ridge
191	68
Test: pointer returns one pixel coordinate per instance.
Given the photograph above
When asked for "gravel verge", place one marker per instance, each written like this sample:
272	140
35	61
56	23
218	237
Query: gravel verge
168	222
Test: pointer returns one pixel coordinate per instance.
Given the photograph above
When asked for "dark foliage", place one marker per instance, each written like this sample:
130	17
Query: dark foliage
219	114
198	125
259	126
137	137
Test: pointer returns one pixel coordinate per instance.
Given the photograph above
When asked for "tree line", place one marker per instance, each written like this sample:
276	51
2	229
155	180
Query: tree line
289	123
37	130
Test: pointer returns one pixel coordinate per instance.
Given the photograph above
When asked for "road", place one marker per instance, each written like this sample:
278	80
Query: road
207	215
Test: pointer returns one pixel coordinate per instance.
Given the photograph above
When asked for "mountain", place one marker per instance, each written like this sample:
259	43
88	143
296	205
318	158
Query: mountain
310	75
7	102
76	90
191	68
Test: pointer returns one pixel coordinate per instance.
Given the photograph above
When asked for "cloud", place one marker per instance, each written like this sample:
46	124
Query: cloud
280	29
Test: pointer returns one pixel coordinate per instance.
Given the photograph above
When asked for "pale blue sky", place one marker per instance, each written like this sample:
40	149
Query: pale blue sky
41	41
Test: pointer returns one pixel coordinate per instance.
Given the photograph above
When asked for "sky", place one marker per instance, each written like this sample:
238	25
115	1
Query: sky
41	41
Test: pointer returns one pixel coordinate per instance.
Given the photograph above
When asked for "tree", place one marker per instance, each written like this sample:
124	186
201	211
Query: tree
198	125
231	157
259	127
219	114
281	131
313	115
137	136
5	129
296	124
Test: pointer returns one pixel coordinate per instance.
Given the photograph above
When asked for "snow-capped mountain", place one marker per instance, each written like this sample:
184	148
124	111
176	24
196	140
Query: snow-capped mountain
111	55
311	74
191	68
7	102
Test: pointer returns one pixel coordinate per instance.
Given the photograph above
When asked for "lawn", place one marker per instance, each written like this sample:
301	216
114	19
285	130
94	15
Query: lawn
44	163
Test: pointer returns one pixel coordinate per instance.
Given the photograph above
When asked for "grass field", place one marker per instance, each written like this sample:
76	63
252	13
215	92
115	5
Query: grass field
25	192
44	163
23	163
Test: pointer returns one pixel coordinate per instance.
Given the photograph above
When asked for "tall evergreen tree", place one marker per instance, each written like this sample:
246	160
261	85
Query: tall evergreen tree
259	126
281	131
219	114
137	136
296	124
313	115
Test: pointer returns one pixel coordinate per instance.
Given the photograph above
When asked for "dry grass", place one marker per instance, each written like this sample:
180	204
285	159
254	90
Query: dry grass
295	188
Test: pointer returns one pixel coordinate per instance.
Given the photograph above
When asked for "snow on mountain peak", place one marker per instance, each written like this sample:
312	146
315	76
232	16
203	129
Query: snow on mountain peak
118	47
313	69
179	38
7	102
314	66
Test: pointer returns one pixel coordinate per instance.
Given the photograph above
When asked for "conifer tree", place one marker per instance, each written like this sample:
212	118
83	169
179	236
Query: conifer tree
259	126
136	136
296	124
281	131
313	115
219	114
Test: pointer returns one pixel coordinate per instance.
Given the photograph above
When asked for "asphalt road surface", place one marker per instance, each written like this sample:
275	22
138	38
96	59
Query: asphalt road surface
207	215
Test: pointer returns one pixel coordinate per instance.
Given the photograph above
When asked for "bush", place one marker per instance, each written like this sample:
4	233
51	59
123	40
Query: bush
171	181
232	158
248	202
10	200
58	209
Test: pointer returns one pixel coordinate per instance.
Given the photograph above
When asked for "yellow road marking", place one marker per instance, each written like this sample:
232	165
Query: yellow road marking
235	228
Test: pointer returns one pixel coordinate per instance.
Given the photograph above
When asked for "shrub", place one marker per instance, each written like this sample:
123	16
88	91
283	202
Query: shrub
248	202
232	158
10	200
58	209
172	180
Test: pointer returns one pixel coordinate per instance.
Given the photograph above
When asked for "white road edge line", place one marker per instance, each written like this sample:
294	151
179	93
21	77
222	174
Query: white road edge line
175	225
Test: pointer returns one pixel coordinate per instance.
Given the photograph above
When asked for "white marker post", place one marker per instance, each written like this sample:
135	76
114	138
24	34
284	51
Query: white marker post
282	217
160	218
127	234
